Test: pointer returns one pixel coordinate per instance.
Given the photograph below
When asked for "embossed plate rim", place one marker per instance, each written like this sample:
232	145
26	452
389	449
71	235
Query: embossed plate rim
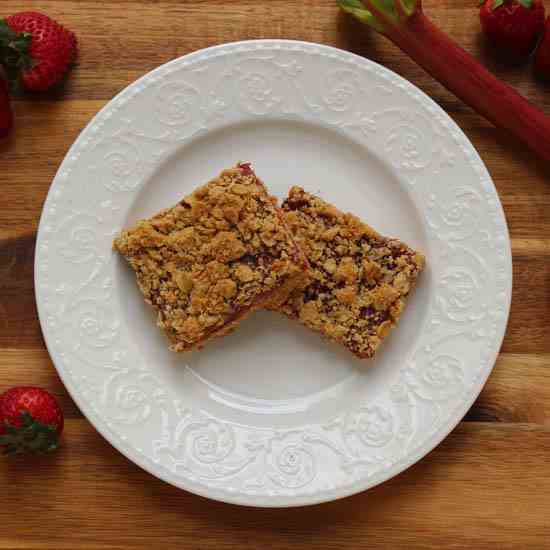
288	497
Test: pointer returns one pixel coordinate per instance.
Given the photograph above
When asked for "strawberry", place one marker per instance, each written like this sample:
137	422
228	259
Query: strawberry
542	55
512	26
36	49
30	421
6	114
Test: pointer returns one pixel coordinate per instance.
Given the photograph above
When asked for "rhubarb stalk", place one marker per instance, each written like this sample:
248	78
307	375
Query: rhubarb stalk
404	23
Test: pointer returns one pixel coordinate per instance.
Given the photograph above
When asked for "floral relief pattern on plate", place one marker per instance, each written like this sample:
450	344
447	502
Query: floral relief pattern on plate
218	457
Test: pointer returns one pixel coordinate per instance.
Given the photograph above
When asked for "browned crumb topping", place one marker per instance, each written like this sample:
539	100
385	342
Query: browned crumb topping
358	280
221	252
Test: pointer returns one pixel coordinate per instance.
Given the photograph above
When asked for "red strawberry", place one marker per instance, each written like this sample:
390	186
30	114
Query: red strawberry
542	55
30	421
512	26
6	114
36	48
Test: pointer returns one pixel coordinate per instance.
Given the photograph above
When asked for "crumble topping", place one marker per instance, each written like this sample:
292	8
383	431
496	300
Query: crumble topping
358	281
218	254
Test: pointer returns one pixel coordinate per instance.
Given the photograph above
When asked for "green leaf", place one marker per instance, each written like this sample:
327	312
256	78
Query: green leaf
11	430
528	4
22	42
14	54
380	14
409	6
387	7
32	436
27	419
6	34
352	4
358	10
497	4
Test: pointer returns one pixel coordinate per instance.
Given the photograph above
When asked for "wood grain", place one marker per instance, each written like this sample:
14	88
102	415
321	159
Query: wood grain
486	486
95	496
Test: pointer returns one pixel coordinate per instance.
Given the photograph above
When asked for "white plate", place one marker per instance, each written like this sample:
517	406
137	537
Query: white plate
273	415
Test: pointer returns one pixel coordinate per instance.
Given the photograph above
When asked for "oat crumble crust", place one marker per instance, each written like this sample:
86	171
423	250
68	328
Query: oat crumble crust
359	280
213	258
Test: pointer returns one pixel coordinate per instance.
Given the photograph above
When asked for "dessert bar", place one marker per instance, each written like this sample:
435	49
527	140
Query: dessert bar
359	280
213	258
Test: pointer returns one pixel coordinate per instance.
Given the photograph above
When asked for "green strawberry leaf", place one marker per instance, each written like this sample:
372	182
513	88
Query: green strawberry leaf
32	436
6	33
14	54
527	4
22	42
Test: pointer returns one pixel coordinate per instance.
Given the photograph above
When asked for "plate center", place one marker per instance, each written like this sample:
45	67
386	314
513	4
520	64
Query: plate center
270	363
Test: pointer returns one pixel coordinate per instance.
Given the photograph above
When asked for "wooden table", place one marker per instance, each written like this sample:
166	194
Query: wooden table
487	485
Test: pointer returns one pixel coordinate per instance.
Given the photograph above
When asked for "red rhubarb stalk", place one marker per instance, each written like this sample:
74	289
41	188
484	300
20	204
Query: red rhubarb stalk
404	23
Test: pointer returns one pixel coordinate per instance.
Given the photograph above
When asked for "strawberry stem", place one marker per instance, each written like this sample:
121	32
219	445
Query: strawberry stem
456	69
